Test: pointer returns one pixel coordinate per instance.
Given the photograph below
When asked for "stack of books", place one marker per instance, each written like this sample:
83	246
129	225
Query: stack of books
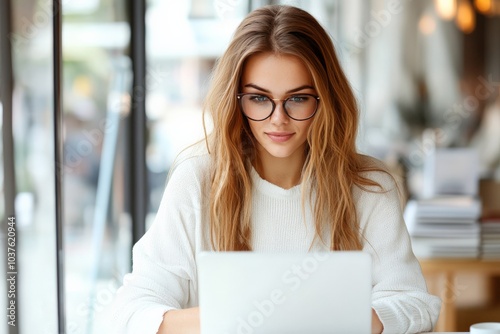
445	226
490	222
490	239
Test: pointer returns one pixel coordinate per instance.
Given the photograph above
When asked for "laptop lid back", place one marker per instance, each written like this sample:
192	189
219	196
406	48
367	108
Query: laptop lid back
252	292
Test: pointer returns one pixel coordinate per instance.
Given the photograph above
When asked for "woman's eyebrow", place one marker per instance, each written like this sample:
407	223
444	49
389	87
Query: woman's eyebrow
299	88
288	92
257	87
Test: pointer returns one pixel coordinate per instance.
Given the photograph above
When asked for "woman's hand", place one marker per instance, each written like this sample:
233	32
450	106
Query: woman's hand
377	326
185	321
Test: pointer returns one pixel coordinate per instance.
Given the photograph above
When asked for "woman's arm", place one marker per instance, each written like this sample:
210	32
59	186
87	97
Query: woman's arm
399	294
185	321
164	266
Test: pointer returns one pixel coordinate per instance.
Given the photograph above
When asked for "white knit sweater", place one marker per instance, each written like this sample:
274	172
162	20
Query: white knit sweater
164	273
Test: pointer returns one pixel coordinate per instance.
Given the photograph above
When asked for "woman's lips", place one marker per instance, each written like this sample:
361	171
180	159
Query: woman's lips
279	137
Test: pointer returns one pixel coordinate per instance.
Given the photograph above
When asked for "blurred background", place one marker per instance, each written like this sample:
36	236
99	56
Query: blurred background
426	74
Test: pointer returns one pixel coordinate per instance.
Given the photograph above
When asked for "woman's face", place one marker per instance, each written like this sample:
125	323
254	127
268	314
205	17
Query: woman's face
278	77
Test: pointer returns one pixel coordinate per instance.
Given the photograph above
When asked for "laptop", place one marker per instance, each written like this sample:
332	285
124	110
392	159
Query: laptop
255	293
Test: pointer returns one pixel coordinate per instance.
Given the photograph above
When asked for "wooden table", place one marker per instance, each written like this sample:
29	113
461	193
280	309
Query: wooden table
448	268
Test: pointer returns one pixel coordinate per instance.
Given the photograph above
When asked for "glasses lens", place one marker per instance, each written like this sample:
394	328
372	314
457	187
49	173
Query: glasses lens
259	107
256	106
301	106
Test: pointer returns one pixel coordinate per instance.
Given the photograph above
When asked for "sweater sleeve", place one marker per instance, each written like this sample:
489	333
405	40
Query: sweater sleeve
164	269
399	294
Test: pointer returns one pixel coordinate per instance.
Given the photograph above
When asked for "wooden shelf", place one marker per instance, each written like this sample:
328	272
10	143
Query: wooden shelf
460	265
448	269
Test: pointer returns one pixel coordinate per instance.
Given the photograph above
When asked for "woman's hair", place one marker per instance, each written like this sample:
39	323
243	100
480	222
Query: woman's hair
332	165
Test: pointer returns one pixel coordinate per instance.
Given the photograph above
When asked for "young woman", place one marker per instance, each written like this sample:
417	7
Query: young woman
279	172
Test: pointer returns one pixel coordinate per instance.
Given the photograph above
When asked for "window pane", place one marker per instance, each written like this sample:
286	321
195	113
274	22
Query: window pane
97	228
34	162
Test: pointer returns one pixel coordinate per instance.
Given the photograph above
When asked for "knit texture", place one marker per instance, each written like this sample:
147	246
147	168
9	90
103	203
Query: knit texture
164	273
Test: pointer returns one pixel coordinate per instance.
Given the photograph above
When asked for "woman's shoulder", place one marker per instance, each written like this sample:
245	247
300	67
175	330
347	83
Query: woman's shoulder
376	174
376	186
193	161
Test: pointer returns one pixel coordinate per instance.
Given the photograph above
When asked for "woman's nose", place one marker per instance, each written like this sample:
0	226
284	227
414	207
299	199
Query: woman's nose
279	115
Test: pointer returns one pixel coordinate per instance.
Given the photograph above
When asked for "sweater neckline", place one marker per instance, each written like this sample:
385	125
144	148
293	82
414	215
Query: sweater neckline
271	189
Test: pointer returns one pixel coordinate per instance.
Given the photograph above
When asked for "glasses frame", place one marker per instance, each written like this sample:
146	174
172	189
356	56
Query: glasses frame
284	101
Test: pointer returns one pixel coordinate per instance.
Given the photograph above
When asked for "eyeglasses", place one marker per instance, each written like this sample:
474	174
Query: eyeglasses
258	107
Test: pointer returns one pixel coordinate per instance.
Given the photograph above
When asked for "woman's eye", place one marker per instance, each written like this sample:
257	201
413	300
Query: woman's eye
299	98
258	98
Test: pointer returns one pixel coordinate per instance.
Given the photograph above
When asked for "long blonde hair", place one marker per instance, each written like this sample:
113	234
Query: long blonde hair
332	165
